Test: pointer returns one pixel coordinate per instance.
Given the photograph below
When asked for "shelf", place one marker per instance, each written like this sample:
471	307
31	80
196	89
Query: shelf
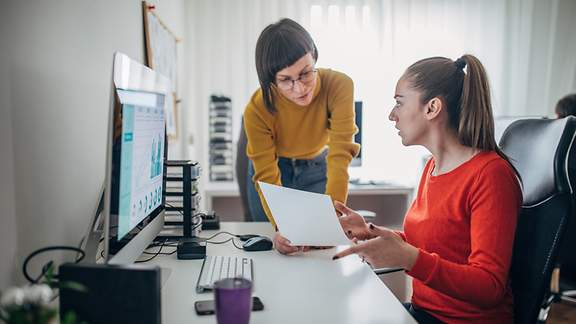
220	138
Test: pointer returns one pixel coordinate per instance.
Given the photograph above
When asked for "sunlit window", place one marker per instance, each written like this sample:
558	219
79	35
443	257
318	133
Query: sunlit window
348	42
374	43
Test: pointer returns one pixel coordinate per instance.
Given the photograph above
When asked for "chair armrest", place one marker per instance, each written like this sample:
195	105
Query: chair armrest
382	271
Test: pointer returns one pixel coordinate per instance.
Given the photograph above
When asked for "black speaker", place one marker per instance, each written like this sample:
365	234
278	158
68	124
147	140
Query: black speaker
111	293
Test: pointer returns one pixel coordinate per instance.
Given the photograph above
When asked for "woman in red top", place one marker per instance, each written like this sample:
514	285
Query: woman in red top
459	232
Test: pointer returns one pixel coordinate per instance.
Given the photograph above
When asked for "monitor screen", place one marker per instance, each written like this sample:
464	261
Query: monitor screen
136	183
140	149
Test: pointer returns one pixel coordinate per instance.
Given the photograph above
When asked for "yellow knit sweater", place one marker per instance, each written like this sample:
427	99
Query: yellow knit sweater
304	132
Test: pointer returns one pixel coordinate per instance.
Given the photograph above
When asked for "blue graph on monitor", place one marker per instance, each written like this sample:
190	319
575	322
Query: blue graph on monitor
156	158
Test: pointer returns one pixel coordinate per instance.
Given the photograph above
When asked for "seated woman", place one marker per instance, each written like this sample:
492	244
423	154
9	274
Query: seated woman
459	232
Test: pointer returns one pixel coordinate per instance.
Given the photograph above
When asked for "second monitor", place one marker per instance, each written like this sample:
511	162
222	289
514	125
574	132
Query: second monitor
357	161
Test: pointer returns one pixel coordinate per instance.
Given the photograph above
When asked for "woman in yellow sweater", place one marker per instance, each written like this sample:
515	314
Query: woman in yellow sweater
299	123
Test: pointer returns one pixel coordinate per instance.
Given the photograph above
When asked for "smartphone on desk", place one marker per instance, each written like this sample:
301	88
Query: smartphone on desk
206	307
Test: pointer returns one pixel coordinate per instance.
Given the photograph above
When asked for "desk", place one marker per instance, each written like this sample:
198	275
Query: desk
305	288
389	202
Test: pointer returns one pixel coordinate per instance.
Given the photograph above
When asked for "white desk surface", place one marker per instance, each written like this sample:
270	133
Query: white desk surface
304	288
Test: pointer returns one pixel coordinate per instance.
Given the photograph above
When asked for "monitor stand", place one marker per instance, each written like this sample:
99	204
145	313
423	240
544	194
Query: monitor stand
93	235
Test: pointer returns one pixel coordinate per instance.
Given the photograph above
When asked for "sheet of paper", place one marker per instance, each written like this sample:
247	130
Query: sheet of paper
305	218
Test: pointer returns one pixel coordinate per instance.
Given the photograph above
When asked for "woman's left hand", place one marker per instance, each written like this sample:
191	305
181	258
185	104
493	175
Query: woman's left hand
352	223
386	250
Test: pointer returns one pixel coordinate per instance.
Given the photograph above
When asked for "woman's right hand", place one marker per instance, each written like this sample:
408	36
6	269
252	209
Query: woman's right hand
353	224
283	245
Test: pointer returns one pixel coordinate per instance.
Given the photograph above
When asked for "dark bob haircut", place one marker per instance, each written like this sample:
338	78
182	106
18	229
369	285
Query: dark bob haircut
280	45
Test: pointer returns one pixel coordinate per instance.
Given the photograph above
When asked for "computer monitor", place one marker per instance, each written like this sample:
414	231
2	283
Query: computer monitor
134	195
357	161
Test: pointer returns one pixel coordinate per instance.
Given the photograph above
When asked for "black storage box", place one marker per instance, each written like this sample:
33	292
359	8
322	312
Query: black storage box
113	294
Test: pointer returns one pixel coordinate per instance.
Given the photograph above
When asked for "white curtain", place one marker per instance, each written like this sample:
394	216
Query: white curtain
527	46
539	55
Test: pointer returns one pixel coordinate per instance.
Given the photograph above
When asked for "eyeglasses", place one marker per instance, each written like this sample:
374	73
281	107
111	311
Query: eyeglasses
305	78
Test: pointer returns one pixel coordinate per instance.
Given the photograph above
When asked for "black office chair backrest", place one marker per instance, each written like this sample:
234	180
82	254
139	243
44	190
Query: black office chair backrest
539	150
241	167
567	256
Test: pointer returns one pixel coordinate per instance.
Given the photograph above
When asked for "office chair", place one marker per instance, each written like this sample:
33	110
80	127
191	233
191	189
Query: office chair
563	285
242	170
539	149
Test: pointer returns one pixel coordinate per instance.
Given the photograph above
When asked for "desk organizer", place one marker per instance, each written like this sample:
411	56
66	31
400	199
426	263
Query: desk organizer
182	198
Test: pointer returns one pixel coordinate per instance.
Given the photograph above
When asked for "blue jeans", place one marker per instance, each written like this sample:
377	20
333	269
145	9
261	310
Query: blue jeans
307	175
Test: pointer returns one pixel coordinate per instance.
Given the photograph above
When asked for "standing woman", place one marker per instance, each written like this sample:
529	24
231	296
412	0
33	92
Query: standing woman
459	232
299	123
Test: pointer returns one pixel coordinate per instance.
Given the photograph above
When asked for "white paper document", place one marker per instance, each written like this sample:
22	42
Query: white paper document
304	218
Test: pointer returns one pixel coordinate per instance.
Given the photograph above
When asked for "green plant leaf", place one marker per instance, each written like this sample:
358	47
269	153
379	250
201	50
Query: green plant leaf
73	285
69	318
48	277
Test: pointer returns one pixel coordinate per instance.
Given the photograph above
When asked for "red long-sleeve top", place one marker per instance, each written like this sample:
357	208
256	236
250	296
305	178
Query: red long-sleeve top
463	224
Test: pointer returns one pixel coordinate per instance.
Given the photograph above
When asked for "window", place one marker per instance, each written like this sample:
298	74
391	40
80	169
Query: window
375	41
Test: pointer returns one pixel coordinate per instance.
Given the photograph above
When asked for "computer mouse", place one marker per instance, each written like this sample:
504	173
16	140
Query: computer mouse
259	243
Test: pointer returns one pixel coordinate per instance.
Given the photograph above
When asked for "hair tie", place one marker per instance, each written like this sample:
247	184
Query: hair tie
460	63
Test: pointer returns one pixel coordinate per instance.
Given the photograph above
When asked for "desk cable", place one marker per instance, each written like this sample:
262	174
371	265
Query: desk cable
168	243
242	237
48	267
47	273
196	218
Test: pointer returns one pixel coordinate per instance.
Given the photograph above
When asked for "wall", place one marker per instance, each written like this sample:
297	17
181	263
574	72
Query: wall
61	60
561	77
540	53
7	212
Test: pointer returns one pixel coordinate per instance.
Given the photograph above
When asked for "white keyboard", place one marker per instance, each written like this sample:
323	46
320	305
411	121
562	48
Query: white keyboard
216	268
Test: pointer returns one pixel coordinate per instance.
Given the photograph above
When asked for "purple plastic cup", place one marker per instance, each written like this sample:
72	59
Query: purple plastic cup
233	298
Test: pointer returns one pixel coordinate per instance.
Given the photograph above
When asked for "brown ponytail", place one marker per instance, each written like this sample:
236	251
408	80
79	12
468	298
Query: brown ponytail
476	127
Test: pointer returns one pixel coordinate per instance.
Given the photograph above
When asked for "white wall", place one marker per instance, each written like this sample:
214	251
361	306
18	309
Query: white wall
561	78
541	56
61	60
7	214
